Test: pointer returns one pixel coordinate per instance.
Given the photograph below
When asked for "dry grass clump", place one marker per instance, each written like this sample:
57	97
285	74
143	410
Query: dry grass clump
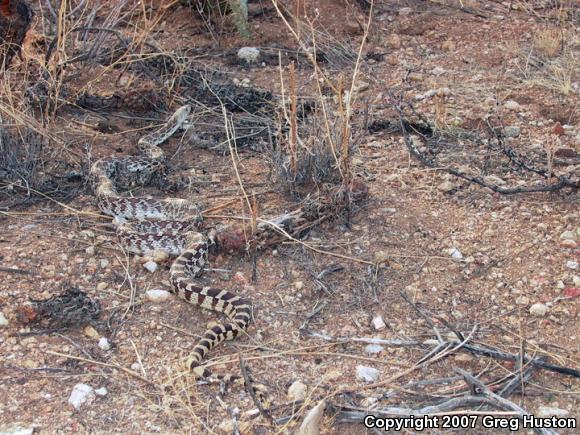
21	164
552	60
549	42
319	150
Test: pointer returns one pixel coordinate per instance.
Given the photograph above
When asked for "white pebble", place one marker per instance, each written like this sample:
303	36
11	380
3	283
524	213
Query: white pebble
104	343
104	263
456	254
157	295
379	323
101	391
568	235
3	320
373	349
150	265
523	300
16	429
249	54
512	105
538	309
571	264
81	394
367	374
297	391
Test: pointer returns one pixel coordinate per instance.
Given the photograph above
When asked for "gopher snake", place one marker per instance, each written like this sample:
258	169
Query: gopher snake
168	225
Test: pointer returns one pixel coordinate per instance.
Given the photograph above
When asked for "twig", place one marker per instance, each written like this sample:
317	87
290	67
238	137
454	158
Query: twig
392	343
99	363
563	182
498	401
16	271
250	389
519	380
493	353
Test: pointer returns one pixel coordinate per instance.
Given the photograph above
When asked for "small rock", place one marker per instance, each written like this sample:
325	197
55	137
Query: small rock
299	285
567	243
380	257
448	45
538	309
101	392
568	235
81	394
297	391
29	364
104	343
150	265
523	300
3	320
412	292
571	264
102	286
90	250
415	77
455	254
91	332
249	54
576	281
367	374
438	71
394	41
463	357
446	186
379	323
512	105
16	429
548	411
566	152
512	131
104	263
157	295
373	349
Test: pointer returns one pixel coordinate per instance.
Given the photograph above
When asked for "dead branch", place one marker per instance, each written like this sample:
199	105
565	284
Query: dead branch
537	362
498	401
478	350
392	343
563	182
248	383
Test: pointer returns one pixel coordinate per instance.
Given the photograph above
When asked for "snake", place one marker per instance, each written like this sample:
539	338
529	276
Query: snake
146	225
